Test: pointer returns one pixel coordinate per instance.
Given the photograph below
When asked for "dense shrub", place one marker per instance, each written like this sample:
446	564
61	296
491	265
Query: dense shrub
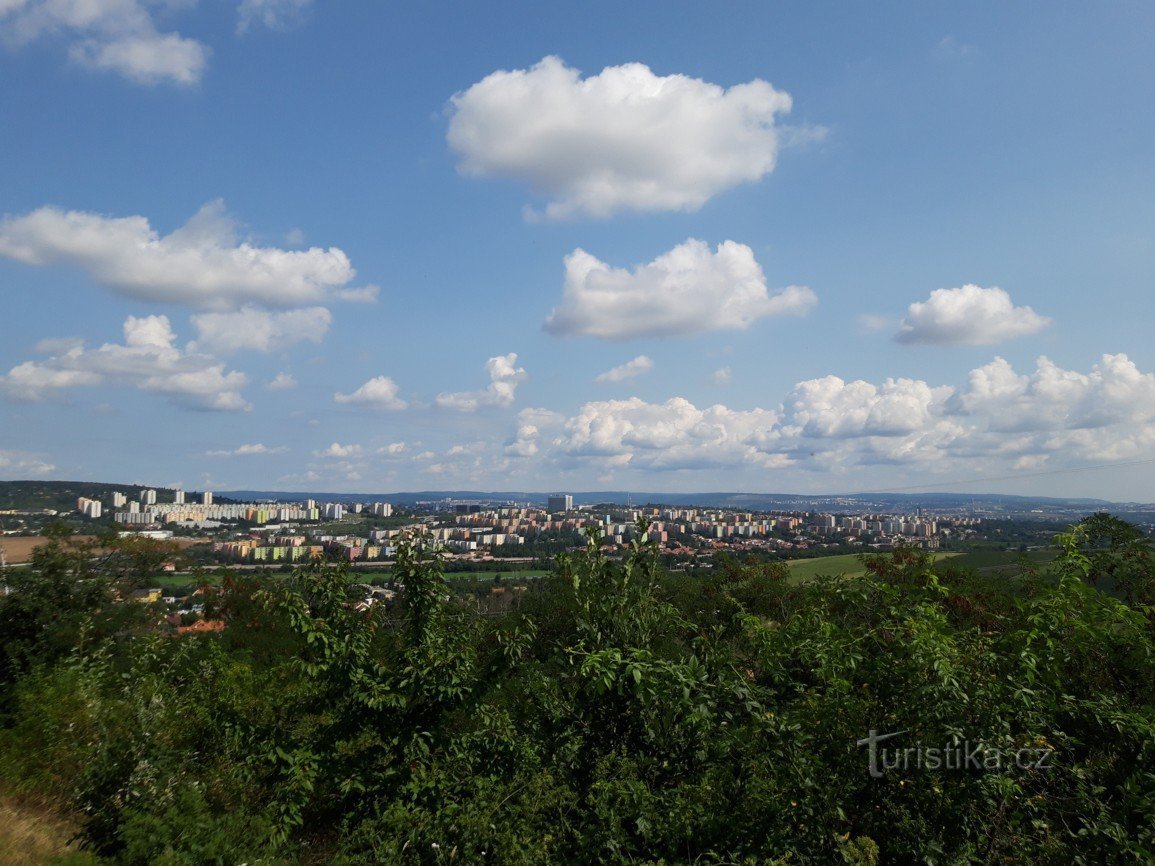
620	715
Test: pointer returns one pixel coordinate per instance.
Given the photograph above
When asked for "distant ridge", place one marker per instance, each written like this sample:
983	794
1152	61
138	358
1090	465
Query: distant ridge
717	499
62	495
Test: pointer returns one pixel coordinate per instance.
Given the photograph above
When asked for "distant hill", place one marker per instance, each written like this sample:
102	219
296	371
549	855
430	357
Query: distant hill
858	502
62	495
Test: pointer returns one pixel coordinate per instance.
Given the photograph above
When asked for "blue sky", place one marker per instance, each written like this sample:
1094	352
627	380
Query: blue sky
819	247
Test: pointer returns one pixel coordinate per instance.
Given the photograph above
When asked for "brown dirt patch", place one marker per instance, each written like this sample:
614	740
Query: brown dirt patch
19	548
32	834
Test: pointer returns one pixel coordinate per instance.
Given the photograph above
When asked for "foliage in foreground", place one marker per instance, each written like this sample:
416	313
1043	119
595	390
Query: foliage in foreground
621	715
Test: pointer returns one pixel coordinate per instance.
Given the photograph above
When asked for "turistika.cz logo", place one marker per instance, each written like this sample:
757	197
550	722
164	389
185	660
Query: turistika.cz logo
962	755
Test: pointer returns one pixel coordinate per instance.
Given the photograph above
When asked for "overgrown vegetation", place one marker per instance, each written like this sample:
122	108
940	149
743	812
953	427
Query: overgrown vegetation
621	714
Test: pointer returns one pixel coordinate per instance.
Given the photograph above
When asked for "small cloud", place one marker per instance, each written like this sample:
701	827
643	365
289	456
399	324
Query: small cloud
378	393
950	48
256	449
504	377
112	35
340	452
637	367
362	295
273	14
872	323
393	449
722	376
282	382
968	316
23	464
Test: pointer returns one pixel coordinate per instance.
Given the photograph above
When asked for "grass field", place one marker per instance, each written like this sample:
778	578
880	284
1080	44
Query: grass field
990	562
847	565
1002	561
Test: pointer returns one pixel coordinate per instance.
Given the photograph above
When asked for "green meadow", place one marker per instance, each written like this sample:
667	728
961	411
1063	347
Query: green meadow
848	565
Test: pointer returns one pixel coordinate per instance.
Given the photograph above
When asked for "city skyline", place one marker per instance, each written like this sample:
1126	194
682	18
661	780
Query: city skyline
278	245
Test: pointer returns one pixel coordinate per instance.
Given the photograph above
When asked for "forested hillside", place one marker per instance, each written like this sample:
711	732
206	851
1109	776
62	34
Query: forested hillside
59	495
620	714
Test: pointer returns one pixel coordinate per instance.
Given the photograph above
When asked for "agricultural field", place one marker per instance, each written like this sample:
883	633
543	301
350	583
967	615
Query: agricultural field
18	548
848	565
989	562
1003	561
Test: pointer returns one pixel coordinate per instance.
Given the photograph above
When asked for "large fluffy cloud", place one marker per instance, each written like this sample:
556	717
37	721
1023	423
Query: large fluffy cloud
148	360
688	290
504	377
999	420
1114	393
625	139
115	35
831	408
969	315
260	330
201	264
671	435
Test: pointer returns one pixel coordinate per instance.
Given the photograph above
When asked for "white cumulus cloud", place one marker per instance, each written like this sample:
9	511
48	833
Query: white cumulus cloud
970	315
340	452
255	449
114	35
688	290
622	140
148	360
282	382
378	393
999	420
504	377
670	435
637	367
260	330
831	408
201	264
531	423
1114	392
